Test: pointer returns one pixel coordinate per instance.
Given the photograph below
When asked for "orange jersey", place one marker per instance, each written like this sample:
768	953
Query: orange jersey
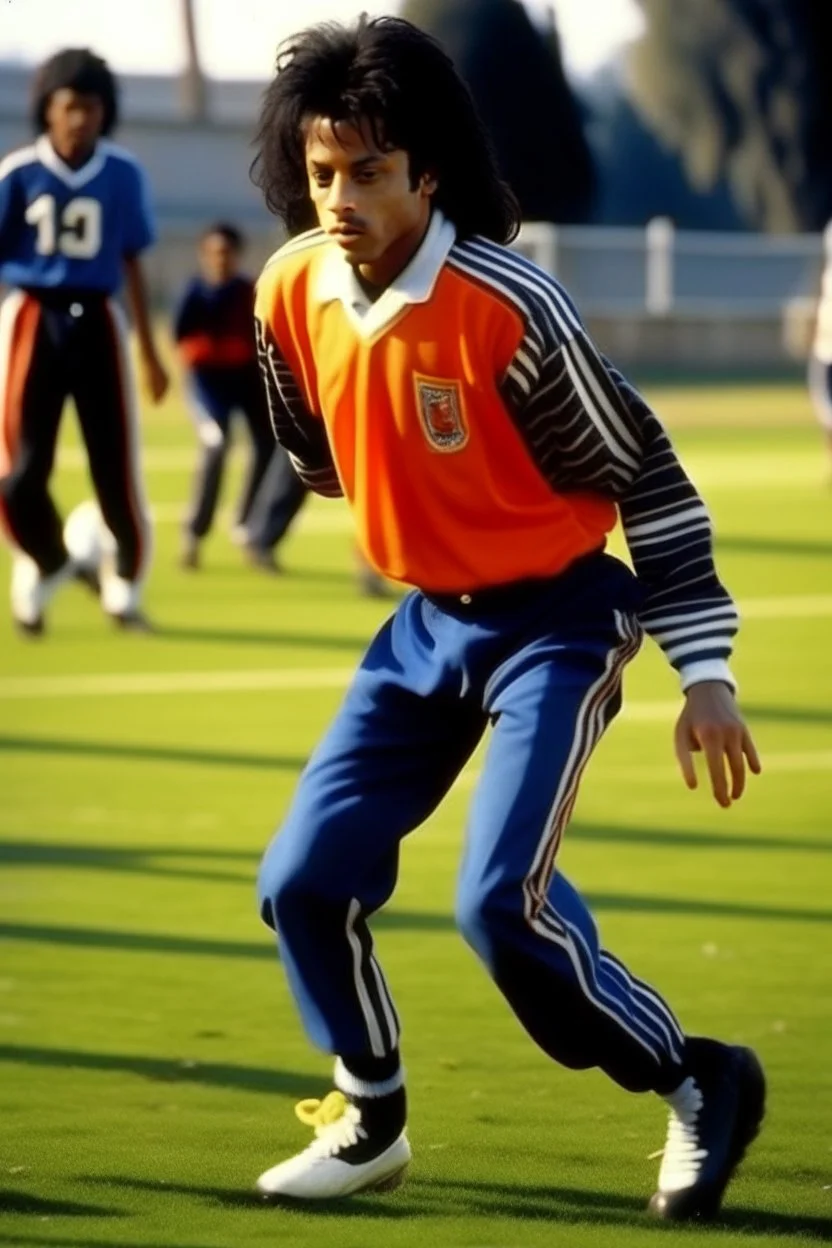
477	433
444	490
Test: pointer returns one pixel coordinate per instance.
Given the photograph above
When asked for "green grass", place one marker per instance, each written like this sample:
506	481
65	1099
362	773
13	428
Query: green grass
149	1053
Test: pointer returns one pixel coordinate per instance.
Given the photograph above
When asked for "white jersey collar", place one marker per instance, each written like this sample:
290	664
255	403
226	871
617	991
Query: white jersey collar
74	178
336	281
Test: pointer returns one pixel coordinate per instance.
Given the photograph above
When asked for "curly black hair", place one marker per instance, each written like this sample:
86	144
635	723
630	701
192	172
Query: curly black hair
77	69
387	72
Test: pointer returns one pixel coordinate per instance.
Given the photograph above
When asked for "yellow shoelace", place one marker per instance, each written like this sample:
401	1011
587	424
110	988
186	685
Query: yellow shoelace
315	1113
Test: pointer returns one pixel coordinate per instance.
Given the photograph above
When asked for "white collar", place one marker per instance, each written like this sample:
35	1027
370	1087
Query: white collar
74	178
337	281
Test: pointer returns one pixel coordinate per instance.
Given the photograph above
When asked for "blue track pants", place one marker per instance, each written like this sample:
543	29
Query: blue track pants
544	667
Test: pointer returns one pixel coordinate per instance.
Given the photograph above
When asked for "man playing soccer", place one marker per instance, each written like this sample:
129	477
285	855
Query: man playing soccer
74	217
446	386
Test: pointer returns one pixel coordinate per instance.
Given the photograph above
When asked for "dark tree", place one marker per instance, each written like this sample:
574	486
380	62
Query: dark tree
743	89
516	76
638	176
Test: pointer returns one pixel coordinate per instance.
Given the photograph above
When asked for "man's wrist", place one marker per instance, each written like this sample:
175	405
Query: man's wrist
703	670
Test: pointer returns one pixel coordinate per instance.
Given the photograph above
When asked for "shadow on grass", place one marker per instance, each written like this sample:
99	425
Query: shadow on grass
692	839
391	920
522	1202
18	1241
163	861
519	1203
24	1202
163	1070
141	752
368	1206
788	714
688	905
136	942
135	860
200	946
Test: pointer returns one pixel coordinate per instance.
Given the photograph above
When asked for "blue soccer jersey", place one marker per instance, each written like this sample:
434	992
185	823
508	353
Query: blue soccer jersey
71	227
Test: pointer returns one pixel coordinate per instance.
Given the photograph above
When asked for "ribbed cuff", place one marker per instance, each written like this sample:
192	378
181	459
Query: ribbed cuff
706	669
350	1085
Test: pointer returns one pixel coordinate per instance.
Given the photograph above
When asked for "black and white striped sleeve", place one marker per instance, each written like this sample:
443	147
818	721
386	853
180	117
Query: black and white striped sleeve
588	429
668	529
300	433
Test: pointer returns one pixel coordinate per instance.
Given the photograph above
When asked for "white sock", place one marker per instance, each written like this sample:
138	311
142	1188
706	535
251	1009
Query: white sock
350	1085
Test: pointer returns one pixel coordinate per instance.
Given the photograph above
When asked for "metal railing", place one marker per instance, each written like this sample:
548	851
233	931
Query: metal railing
662	271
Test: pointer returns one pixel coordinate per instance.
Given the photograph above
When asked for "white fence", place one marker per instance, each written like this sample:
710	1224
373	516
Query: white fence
662	271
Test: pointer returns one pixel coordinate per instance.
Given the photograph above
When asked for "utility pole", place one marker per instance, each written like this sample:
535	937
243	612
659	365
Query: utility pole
192	93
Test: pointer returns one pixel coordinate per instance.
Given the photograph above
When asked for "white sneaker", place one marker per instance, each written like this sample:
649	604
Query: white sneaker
31	592
339	1161
119	597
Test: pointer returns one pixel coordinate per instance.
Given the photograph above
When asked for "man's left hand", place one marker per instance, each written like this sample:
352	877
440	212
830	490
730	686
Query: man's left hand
155	377
711	723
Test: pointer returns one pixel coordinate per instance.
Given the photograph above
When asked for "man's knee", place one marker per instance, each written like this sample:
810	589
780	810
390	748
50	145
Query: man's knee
282	880
487	914
307	864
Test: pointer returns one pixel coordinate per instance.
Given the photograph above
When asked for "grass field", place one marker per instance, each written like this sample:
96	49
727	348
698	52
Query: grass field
149	1054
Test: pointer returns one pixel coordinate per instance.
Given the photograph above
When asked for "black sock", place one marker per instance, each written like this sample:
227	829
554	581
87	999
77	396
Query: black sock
373	1069
382	1117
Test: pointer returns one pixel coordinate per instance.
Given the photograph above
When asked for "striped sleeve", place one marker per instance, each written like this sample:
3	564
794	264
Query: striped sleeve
687	609
302	435
572	418
588	429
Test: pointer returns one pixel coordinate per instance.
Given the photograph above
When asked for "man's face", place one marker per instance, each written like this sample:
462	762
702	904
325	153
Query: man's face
73	122
217	259
363	196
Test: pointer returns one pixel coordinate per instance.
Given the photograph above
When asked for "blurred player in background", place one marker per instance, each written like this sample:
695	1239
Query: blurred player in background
820	358
279	499
214	333
74	218
447	387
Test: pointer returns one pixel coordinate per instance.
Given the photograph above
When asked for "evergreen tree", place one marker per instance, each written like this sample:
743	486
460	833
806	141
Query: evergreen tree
516	75
743	88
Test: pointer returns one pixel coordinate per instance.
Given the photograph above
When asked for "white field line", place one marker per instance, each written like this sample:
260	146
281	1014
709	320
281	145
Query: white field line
327	518
742	470
153	459
118	684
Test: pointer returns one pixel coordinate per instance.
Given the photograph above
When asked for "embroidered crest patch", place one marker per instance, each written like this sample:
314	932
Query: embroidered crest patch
440	408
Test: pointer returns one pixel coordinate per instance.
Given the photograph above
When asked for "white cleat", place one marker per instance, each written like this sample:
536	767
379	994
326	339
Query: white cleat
31	593
321	1172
